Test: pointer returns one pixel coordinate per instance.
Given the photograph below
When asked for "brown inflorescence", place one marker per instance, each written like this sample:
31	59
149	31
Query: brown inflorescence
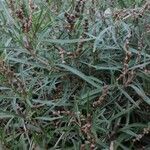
26	21
71	17
102	98
11	6
146	131
79	8
131	13
86	129
127	76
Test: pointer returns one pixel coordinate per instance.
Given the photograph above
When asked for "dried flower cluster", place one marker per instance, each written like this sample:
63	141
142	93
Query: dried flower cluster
62	53
127	76
70	20
26	21
11	6
79	8
71	17
86	124
131	13
101	99
140	136
63	112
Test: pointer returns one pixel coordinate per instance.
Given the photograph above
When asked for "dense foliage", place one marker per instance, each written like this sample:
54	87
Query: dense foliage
75	74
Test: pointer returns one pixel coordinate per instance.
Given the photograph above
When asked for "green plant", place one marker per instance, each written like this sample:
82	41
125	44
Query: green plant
74	74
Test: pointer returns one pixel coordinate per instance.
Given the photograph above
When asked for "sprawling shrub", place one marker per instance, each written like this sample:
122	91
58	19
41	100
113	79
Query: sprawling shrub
75	74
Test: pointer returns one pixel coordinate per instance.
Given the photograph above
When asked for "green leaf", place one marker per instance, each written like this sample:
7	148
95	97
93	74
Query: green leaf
48	118
69	41
141	93
80	74
4	116
128	97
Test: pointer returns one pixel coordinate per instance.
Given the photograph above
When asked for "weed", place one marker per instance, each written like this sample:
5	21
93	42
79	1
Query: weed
75	74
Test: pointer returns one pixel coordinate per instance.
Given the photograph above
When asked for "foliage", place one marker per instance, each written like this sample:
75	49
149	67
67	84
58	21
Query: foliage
75	74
